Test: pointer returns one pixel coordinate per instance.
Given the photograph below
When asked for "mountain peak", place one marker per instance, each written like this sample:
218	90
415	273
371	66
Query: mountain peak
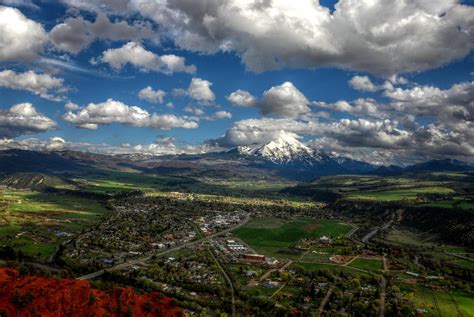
286	148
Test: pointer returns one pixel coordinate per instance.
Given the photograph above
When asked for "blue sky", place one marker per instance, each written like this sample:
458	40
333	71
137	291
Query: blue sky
391	85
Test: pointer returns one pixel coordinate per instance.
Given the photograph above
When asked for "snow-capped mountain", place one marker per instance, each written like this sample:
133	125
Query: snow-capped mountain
293	159
286	149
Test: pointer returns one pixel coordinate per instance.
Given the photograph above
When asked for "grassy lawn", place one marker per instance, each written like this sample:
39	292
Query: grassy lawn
274	237
315	257
371	265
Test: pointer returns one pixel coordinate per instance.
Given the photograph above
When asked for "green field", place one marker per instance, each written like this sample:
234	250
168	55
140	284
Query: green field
371	265
36	222
330	267
275	237
433	189
406	237
441	303
112	181
400	194
461	202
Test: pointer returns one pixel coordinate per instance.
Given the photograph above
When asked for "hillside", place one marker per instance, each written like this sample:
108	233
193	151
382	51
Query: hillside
34	181
46	296
283	158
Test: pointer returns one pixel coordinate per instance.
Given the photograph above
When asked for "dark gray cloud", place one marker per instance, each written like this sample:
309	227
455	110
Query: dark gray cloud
359	35
362	35
284	100
77	33
23	119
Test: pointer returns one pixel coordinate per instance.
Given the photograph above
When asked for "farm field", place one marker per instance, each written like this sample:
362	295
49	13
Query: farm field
311	267
442	303
400	194
465	302
35	223
274	237
112	181
427	189
461	202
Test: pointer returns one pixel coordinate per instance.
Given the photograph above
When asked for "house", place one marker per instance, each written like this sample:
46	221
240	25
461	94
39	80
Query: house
412	273
254	257
324	239
270	284
272	261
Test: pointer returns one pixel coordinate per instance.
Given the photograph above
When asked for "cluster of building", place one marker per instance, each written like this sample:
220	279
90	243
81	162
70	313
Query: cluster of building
307	243
130	231
217	221
233	250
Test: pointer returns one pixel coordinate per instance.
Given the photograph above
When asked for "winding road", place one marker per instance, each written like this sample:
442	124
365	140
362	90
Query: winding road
372	233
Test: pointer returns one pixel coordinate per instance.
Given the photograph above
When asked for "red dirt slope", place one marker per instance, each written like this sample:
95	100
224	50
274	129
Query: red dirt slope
50	297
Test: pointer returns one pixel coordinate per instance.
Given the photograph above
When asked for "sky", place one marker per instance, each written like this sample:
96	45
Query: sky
375	80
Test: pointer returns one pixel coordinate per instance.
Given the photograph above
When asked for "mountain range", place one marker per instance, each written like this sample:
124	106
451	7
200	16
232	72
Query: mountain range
285	157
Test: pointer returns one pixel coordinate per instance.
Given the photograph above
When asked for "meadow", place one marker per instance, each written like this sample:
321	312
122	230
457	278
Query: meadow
371	265
461	202
400	194
275	237
441	303
112	181
335	269
35	223
428	189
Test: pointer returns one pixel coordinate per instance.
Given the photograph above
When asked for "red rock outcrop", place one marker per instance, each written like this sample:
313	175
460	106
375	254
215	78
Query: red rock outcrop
51	297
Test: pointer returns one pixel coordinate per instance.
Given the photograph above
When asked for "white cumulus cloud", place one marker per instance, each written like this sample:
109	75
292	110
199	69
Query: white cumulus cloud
43	85
20	37
135	54
113	111
151	95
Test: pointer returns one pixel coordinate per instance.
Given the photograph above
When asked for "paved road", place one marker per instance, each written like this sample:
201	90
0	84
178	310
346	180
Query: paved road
460	256
43	266
372	233
267	274
383	292
160	253
353	230
325	301
227	278
351	260
385	263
